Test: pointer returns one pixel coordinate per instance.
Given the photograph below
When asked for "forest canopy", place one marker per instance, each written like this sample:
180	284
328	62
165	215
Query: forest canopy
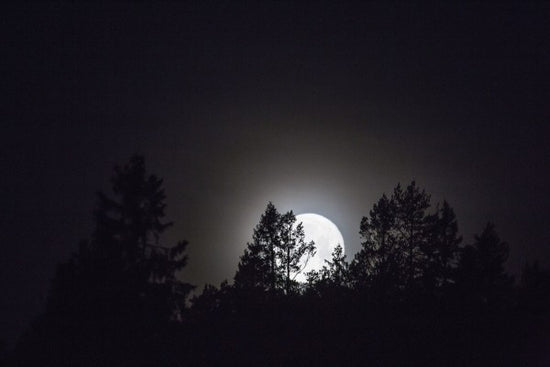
414	292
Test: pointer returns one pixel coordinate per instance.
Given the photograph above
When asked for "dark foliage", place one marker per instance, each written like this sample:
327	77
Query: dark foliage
113	301
272	260
535	289
411	296
405	251
481	281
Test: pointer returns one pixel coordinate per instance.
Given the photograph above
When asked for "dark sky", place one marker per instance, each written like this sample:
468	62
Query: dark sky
318	108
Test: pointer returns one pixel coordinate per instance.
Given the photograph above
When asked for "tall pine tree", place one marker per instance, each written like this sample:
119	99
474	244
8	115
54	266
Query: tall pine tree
272	260
404	246
111	302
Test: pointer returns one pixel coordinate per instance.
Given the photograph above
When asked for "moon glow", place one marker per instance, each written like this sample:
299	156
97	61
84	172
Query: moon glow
326	236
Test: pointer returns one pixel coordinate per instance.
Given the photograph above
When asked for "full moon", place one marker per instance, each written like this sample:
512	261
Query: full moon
326	236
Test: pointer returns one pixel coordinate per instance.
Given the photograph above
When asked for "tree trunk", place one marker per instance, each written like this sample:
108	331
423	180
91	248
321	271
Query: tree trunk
288	270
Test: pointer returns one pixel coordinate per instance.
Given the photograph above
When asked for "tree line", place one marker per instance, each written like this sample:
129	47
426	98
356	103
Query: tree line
414	294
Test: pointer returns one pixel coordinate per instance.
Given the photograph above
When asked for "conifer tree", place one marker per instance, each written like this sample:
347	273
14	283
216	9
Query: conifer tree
404	245
121	289
380	256
480	271
292	249
272	260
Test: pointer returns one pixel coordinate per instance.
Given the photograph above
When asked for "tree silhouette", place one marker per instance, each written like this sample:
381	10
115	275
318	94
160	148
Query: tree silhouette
120	290
442	248
266	241
410	225
492	254
404	246
125	255
535	288
292	248
252	268
213	301
411	295
336	269
379	258
333	278
271	261
480	271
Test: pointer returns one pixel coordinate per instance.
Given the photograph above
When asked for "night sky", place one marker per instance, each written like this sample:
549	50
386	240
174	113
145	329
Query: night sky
315	108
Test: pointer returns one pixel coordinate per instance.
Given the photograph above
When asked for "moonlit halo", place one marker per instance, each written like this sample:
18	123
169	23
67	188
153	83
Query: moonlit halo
326	236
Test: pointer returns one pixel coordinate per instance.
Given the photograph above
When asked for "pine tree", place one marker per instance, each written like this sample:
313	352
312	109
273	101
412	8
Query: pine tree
120	290
480	272
411	223
337	269
126	245
333	282
292	249
442	249
404	246
259	267
272	260
252	268
380	254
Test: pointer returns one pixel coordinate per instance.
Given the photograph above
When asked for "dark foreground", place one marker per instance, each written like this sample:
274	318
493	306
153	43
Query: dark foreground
300	332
